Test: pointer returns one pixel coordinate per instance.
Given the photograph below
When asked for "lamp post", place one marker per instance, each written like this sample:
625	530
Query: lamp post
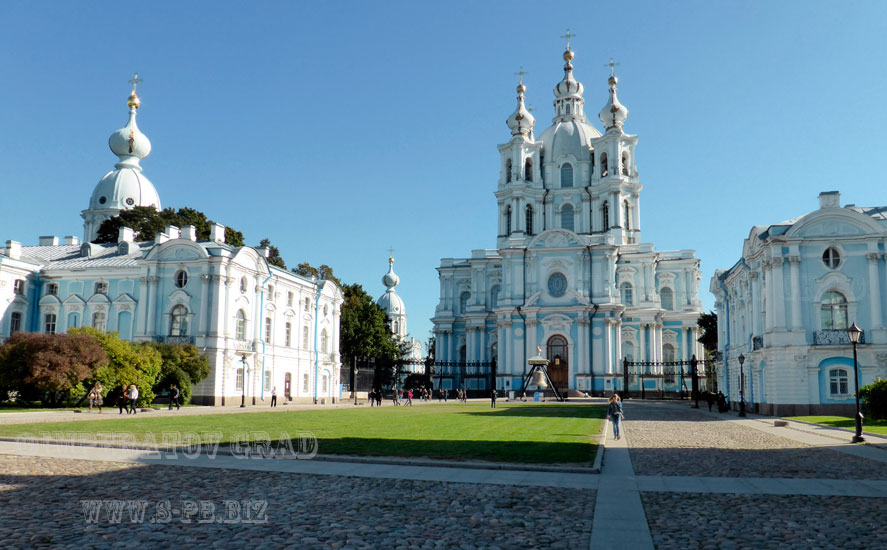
741	386
854	332
243	384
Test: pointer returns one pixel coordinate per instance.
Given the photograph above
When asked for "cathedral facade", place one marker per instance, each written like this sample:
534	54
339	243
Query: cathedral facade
570	272
263	328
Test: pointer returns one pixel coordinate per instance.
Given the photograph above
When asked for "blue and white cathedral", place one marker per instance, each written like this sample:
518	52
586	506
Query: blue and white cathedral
570	272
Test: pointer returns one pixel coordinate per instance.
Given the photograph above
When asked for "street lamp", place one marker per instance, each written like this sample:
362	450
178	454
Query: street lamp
741	386
854	332
243	383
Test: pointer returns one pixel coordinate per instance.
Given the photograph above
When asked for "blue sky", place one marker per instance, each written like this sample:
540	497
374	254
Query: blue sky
339	129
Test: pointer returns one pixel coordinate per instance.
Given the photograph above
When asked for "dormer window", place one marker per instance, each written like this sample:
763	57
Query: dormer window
101	288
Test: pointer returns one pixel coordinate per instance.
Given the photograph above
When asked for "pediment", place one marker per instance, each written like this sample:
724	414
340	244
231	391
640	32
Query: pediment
556	238
49	299
180	250
835	223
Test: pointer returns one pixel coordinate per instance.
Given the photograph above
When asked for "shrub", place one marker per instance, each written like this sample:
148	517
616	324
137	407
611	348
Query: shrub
874	400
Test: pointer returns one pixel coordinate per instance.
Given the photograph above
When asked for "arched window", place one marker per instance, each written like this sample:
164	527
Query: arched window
305	333
529	220
324	341
605	215
15	322
567	175
494	297
624	164
605	169
240	325
666	295
626	293
508	171
627	215
837	382
288	335
528	170
181	278
567	108
508	220
268	330
628	351
99	321
463	302
49	323
178	321
833	311
567	217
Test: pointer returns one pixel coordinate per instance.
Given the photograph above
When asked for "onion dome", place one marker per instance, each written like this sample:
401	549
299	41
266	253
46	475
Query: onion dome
390	280
128	143
613	114
390	302
569	86
521	121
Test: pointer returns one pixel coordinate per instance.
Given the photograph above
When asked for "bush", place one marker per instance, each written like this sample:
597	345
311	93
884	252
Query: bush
874	400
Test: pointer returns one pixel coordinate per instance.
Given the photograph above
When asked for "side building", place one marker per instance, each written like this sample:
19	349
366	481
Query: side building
787	303
571	272
261	327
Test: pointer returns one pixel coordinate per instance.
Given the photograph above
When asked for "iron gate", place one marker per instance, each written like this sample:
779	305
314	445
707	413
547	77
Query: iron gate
668	379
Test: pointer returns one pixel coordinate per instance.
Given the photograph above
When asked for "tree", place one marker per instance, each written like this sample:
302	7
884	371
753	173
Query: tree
146	222
182	365
49	367
273	253
708	332
128	363
324	272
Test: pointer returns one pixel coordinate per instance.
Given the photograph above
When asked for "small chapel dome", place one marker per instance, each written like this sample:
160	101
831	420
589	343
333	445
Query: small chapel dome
128	143
521	121
390	302
390	279
569	86
613	114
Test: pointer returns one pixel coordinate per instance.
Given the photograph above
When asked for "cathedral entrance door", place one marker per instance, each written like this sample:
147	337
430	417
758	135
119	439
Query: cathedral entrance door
558	362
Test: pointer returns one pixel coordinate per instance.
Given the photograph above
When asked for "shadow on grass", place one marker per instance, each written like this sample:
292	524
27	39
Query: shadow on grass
528	452
549	411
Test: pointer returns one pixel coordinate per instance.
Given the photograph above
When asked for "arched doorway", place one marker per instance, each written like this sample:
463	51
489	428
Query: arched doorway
558	361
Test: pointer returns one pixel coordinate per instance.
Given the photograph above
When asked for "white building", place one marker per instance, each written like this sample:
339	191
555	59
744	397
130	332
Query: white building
228	301
787	303
393	306
570	271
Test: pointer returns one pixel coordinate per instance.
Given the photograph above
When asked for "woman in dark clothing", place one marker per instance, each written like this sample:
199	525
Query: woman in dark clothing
614	412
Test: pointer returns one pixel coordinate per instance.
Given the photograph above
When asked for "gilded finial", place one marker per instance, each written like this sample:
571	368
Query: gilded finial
133	100
390	255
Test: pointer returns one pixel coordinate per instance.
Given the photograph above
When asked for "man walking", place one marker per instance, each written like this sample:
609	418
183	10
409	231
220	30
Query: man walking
133	397
274	396
493	399
173	397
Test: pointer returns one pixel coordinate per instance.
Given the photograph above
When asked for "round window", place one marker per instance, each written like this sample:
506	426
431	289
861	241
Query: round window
557	285
181	279
831	258
103	200
130	201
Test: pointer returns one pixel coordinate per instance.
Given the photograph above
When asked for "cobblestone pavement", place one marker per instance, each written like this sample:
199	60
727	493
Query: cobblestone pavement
42	506
704	522
674	440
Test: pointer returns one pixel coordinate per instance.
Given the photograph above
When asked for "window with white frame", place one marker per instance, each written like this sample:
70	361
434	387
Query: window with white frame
270	293
178	321
99	321
243	285
463	302
668	354
567	175
627	293
238	382
833	311
305	383
838	384
666	295
15	322
324	383
288	335
240	325
181	278
508	170
305	332
18	287
267	330
831	258
101	288
307	303
49	323
267	380
628	351
289	298
52	289
567	217
324	341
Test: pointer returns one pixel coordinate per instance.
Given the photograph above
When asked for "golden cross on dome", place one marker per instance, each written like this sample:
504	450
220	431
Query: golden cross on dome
390	255
568	36
612	64
135	82
521	74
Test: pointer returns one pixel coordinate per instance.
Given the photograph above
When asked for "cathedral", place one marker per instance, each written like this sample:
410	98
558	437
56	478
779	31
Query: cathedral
570	272
262	328
396	318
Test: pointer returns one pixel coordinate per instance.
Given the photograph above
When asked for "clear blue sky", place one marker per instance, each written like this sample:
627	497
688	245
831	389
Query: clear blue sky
339	129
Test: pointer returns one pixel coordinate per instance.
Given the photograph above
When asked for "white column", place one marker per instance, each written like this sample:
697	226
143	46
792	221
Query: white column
204	304
152	305
779	293
607	346
795	293
874	290
642	341
755	286
618	347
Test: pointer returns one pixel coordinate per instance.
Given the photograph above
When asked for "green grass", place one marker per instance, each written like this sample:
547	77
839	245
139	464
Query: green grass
511	433
872	426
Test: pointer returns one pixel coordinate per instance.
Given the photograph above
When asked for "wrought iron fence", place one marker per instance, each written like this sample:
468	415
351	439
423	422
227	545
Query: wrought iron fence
666	379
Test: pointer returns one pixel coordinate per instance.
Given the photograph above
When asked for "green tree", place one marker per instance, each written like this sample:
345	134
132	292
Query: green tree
129	363
324	272
708	332
874	400
273	253
363	333
146	222
182	365
49	367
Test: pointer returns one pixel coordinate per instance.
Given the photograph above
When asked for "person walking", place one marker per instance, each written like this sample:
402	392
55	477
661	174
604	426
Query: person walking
133	397
395	396
174	396
95	397
493	398
274	396
118	397
614	412
410	398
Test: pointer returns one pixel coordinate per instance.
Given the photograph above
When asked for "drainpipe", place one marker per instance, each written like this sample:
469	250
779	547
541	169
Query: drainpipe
544	196
522	316
35	316
316	351
262	335
594	312
726	333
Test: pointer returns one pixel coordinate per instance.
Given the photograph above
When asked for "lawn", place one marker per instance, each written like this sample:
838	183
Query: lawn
872	426
541	434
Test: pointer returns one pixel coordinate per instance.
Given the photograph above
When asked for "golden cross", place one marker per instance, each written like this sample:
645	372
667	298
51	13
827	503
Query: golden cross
568	36
135	82
612	64
521	74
